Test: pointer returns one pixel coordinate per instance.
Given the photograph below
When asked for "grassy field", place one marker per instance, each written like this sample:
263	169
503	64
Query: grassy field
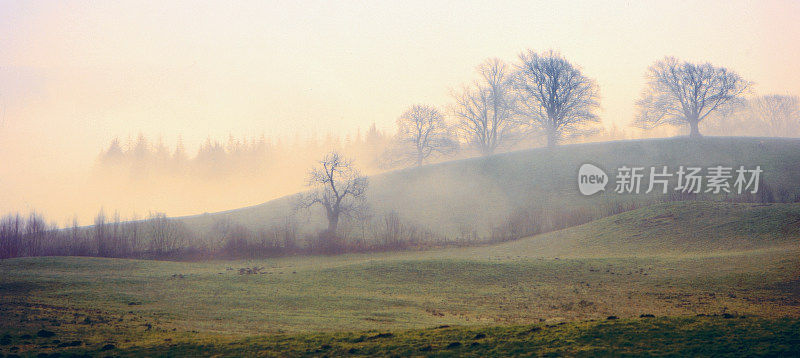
691	336
644	262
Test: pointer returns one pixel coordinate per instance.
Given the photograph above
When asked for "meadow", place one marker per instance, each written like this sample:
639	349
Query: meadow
598	288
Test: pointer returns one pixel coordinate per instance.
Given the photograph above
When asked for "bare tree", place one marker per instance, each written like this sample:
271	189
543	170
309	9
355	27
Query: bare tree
166	235
485	109
680	92
77	241
778	114
554	96
11	231
134	233
101	235
35	228
421	132
289	230
338	187
238	242
392	230
117	240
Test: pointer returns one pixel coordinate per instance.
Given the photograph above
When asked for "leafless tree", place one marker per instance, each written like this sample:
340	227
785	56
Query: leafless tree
338	187
289	230
422	132
554	96
778	114
362	219
35	230
238	242
166	235
485	109
74	236
680	92
116	238
11	231
134	233
101	235
392	230
77	242
220	232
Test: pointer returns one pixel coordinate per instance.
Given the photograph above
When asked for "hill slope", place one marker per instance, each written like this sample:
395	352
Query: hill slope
676	228
476	193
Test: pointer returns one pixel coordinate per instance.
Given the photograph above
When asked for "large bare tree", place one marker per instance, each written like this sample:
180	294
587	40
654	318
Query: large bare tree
554	96
338	187
685	93
485	109
421	133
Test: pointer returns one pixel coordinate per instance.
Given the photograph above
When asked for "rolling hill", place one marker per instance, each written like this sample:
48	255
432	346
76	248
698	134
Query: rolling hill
474	194
718	267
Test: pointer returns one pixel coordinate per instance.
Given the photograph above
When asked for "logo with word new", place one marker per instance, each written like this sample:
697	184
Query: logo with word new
687	179
591	179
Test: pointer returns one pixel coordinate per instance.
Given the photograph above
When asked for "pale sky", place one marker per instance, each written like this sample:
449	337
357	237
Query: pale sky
75	74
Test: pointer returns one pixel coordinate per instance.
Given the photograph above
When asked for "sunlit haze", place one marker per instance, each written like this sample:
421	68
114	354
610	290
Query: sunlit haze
74	75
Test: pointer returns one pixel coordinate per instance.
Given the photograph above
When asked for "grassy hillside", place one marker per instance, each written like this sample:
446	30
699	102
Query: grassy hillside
732	260
676	228
476	193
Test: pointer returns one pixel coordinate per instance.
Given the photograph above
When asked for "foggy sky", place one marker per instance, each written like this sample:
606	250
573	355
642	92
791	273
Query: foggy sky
75	74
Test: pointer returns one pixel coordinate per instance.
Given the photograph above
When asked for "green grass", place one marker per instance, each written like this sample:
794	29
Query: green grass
674	261
677	228
695	336
137	305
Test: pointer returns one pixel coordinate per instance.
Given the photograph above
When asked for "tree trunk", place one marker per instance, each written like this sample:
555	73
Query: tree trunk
333	223
552	138
330	240
694	129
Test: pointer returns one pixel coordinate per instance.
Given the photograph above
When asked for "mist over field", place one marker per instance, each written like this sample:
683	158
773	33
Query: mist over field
399	178
203	141
75	77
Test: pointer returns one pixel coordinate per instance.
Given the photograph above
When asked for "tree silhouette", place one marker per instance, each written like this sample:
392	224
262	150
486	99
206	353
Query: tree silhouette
680	92
554	95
